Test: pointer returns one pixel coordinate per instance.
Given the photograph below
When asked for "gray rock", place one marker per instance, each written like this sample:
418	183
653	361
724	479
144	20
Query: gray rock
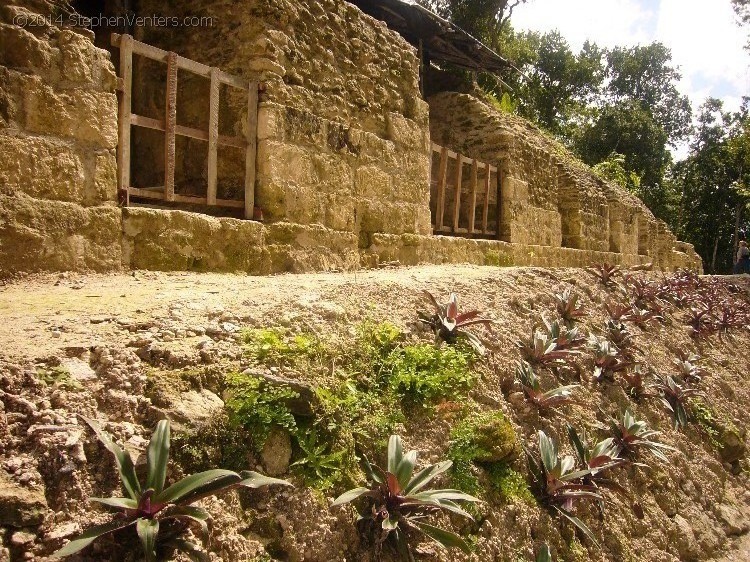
277	452
193	407
20	507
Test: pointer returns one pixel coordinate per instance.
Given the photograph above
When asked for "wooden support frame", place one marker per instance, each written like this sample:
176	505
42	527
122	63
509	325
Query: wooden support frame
460	198
127	119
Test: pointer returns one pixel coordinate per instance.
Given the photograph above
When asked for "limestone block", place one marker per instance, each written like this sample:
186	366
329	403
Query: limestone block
371	148
105	178
42	235
340	212
383	216
285	163
41	168
77	56
270	122
20	49
177	240
87	116
333	171
20	506
404	131
372	182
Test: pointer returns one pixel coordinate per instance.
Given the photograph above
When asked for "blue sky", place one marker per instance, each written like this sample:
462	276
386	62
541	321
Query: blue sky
706	43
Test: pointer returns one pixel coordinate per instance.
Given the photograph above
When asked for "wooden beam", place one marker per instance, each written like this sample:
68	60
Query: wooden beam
160	55
170	123
183	131
252	148
123	122
213	137
486	208
439	206
157	194
457	193
474	182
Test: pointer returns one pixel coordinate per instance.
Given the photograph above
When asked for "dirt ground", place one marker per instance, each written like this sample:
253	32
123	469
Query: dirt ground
695	510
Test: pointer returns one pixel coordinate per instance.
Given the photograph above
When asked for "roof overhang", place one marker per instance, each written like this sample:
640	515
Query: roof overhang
440	40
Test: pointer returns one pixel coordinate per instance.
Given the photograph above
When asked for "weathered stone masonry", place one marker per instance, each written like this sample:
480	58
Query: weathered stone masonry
343	155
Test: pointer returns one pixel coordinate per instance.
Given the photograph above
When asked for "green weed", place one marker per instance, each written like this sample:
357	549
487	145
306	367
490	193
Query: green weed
58	377
258	407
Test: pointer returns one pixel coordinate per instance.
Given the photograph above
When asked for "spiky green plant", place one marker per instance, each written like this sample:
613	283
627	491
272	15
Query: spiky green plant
541	349
160	514
534	393
605	272
632	435
607	359
448	325
567	307
558	485
399	502
675	398
565	337
544	554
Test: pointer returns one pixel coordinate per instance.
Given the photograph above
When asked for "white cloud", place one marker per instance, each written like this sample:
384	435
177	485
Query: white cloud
606	22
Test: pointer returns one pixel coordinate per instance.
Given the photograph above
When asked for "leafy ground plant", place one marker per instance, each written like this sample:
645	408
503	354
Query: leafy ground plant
399	502
607	360
675	398
160	515
567	307
605	272
532	389
542	349
448	325
632	435
558	484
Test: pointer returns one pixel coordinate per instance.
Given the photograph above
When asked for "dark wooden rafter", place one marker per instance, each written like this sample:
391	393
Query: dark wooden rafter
441	40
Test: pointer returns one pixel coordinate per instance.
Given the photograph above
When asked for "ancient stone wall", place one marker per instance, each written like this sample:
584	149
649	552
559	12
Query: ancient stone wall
343	134
548	198
343	155
58	133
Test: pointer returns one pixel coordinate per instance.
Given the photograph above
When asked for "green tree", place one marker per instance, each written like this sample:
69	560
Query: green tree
558	83
484	19
715	179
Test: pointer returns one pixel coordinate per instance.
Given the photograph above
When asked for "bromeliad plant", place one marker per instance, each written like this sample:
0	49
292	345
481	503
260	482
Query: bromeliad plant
532	389
448	325
563	336
607	360
631	436
675	399
399	503
635	383
568	308
559	486
687	368
160	514
605	273
542	349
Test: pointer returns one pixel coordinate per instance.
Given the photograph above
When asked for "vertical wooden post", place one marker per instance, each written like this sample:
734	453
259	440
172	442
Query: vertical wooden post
474	182
486	199
170	125
457	192
123	144
213	137
498	235
252	148
440	207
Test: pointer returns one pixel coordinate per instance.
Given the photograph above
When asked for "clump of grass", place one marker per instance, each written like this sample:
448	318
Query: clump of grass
58	377
510	484
258	406
421	374
276	347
